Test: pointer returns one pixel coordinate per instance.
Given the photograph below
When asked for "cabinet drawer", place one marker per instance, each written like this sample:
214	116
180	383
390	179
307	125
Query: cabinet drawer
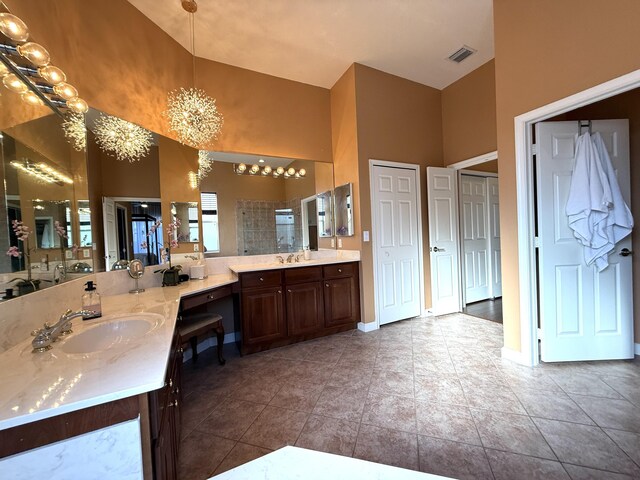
205	297
339	270
266	278
303	274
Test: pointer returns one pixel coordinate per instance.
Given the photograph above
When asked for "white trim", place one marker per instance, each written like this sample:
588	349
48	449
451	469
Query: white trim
416	168
636	349
470	162
368	327
524	195
477	173
511	355
135	199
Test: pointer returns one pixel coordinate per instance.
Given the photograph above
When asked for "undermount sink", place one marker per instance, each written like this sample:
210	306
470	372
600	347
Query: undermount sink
113	331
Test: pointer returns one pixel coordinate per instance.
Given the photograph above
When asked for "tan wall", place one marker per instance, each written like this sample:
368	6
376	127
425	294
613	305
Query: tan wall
139	179
397	120
626	105
490	166
547	50
469	115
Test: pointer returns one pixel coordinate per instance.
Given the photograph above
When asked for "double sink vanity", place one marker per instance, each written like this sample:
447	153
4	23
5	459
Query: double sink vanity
108	396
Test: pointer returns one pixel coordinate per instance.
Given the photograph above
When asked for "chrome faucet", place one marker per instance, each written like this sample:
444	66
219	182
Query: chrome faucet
298	257
48	334
280	259
59	273
290	258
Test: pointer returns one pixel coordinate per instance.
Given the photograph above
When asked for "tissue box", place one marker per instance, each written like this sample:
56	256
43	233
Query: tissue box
197	272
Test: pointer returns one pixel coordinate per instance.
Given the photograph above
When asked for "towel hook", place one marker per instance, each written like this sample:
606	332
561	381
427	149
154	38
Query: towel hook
584	124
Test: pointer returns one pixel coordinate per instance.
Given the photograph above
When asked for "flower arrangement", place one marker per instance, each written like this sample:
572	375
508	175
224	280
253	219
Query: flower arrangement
170	275
61	231
22	233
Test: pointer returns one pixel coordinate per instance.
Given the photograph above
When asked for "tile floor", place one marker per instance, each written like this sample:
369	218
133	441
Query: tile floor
429	394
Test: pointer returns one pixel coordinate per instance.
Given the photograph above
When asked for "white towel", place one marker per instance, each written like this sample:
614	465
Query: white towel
619	221
589	199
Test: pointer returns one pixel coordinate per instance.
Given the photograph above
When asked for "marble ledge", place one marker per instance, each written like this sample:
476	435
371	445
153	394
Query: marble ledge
38	386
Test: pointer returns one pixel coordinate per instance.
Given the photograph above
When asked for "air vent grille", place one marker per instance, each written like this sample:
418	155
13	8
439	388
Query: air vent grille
461	54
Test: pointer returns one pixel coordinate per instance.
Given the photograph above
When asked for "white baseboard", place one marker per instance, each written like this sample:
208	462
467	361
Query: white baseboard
367	327
513	356
427	313
636	349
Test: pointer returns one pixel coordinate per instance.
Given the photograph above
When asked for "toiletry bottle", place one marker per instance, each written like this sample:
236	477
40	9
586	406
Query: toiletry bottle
307	253
91	301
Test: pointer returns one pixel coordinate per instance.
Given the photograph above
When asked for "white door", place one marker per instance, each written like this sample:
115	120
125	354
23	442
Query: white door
442	194
493	201
584	315
475	238
395	207
110	235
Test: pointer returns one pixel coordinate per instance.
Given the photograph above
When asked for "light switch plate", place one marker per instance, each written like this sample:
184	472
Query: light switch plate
333	243
339	243
365	236
86	253
196	247
68	254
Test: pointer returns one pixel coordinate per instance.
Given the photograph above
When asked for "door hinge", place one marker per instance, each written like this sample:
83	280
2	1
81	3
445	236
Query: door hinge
536	242
534	148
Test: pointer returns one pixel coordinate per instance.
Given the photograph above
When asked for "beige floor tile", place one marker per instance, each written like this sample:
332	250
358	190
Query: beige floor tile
239	455
611	413
509	466
392	383
629	442
584	384
583	473
231	419
390	447
552	406
390	411
275	428
453	459
257	390
329	435
494	398
297	396
440	388
510	432
451	422
341	403
585	445
628	387
346	376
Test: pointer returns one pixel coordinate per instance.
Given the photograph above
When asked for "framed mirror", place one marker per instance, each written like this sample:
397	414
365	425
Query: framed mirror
343	210
325	214
185	214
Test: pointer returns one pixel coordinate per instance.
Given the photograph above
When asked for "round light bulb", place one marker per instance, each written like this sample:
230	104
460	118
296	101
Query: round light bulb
302	172
31	98
78	105
13	27
267	170
264	172
291	171
35	53
52	75
4	70
241	168
280	170
254	169
65	90
286	174
13	83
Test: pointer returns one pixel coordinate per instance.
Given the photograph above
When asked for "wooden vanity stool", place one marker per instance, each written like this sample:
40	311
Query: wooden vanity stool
198	324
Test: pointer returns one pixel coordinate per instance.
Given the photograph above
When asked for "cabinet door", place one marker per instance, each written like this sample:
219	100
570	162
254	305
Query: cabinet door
340	301
263	315
305	309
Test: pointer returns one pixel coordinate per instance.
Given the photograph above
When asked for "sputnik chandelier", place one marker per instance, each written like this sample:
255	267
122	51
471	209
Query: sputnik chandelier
192	114
205	164
122	139
75	131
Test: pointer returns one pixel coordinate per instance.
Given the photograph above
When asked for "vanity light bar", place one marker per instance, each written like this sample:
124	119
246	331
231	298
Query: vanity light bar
266	170
43	172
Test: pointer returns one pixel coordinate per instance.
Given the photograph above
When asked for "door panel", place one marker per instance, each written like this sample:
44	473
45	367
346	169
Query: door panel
443	239
110	232
494	236
584	315
395	207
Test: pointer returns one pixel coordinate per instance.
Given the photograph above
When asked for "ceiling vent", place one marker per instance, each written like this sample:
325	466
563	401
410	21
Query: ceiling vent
461	54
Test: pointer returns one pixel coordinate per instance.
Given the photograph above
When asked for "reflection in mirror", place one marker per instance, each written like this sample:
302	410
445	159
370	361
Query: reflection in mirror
255	205
186	216
343	210
52	223
84	222
132	230
325	214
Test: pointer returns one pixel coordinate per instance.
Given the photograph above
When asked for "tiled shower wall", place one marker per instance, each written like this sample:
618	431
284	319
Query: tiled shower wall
256	227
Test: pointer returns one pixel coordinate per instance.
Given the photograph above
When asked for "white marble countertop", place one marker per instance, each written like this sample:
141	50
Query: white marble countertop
256	267
294	463
42	385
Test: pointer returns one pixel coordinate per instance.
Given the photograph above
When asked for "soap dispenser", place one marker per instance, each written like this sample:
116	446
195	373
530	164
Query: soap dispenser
91	301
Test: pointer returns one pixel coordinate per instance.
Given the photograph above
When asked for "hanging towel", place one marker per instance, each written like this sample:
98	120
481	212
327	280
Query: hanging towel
589	200
619	221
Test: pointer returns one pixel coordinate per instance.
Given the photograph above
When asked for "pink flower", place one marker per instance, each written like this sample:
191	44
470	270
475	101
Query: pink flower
174	243
144	245
13	252
74	248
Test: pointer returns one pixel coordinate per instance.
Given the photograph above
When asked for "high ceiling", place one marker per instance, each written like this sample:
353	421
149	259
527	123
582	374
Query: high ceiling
315	41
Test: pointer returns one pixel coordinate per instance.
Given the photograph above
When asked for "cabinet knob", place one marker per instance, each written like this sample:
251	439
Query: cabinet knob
210	297
176	391
279	291
289	290
326	285
170	383
339	270
261	279
173	404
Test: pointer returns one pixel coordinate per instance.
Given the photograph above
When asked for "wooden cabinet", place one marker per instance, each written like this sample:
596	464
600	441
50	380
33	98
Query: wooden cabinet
164	412
285	306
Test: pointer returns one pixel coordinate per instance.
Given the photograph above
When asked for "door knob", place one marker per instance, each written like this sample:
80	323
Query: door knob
436	249
625	252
